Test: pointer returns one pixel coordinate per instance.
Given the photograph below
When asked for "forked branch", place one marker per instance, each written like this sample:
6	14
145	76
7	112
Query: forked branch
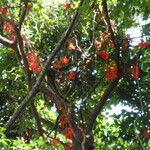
34	90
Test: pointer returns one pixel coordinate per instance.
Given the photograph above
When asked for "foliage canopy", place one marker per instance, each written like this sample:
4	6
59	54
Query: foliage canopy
63	66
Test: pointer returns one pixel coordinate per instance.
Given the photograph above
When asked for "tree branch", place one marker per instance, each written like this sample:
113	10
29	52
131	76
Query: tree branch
113	37
37	119
100	105
20	49
34	90
7	42
51	124
23	15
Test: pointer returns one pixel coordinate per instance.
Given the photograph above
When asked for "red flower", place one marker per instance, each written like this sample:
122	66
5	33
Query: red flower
143	44
33	62
54	142
124	44
103	54
35	68
68	133
67	6
111	44
67	146
59	106
71	75
64	60
12	37
3	11
98	44
63	120
135	71
111	74
104	36
8	27
70	46
146	134
57	64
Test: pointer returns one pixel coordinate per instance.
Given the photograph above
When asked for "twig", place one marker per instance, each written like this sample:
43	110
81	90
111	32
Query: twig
34	90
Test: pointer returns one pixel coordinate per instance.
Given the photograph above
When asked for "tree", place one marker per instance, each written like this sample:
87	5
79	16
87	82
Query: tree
63	64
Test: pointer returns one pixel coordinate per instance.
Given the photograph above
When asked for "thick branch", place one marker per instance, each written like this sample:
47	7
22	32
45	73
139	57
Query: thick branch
105	11
100	105
113	38
23	15
28	98
48	92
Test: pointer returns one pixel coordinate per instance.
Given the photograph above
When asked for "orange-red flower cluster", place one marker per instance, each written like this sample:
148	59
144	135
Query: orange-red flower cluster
143	44
71	75
70	46
111	72
103	54
135	71
54	142
3	11
12	37
111	44
8	27
104	36
67	146
67	6
64	60
33	62
98	44
68	133
58	63
63	120
146	134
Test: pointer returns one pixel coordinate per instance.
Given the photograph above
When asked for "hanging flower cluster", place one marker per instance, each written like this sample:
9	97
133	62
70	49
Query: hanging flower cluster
70	46
143	44
111	72
33	61
103	54
135	71
58	63
54	142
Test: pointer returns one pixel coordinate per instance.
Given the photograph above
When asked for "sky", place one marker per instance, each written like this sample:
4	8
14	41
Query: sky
136	32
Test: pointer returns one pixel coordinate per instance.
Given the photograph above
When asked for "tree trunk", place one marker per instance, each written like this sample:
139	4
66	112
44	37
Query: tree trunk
88	144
